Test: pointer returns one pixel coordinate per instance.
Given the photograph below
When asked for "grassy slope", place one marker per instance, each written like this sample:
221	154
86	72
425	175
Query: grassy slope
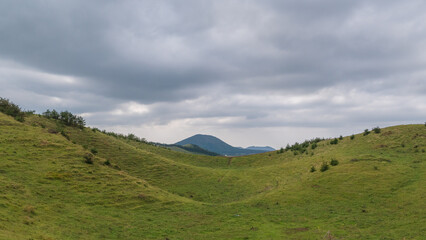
48	192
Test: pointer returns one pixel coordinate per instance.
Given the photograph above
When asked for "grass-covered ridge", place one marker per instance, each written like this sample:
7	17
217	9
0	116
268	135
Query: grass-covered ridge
135	190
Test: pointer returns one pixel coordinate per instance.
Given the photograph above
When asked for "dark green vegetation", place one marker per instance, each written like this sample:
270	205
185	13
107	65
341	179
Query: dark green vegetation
215	145
66	118
9	108
53	186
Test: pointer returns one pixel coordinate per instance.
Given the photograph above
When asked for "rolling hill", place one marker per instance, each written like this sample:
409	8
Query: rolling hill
62	182
214	144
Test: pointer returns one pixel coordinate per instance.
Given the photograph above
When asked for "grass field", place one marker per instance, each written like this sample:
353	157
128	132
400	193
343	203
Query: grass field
134	190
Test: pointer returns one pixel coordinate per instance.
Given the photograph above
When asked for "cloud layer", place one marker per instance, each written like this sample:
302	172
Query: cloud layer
263	73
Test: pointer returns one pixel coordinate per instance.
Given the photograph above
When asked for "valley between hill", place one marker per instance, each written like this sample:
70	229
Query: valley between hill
79	183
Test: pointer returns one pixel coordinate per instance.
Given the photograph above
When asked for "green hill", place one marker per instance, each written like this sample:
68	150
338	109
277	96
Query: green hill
61	182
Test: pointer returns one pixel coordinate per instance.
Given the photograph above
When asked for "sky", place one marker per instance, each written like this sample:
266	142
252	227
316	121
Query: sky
258	73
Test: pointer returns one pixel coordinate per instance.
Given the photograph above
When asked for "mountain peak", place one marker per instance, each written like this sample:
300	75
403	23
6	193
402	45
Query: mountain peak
214	144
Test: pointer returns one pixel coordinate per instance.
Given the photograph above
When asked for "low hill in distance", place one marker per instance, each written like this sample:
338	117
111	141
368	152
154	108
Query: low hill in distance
214	144
265	149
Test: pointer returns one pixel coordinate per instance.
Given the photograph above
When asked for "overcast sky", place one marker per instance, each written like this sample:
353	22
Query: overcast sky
266	72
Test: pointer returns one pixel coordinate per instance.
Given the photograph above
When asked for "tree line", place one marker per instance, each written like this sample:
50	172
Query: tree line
66	117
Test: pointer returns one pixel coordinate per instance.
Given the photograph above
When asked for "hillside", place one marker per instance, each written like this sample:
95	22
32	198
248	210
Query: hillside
134	190
214	144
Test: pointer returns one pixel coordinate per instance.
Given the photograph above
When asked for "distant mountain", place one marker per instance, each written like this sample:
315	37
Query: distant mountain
214	144
264	149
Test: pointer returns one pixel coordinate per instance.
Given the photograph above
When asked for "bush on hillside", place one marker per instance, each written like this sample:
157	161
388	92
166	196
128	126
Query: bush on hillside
312	169
9	108
63	133
366	132
352	137
94	151
324	167
334	141
341	137
334	162
376	130
88	158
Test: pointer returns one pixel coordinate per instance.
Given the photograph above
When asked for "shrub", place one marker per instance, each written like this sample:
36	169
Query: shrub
366	132
314	145
376	130
107	162
352	137
282	150
324	167
312	169
94	151
334	141
88	158
334	162
341	137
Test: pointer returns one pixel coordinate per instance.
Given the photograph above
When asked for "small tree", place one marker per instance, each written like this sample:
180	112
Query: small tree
352	137
288	146
341	137
376	130
366	132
